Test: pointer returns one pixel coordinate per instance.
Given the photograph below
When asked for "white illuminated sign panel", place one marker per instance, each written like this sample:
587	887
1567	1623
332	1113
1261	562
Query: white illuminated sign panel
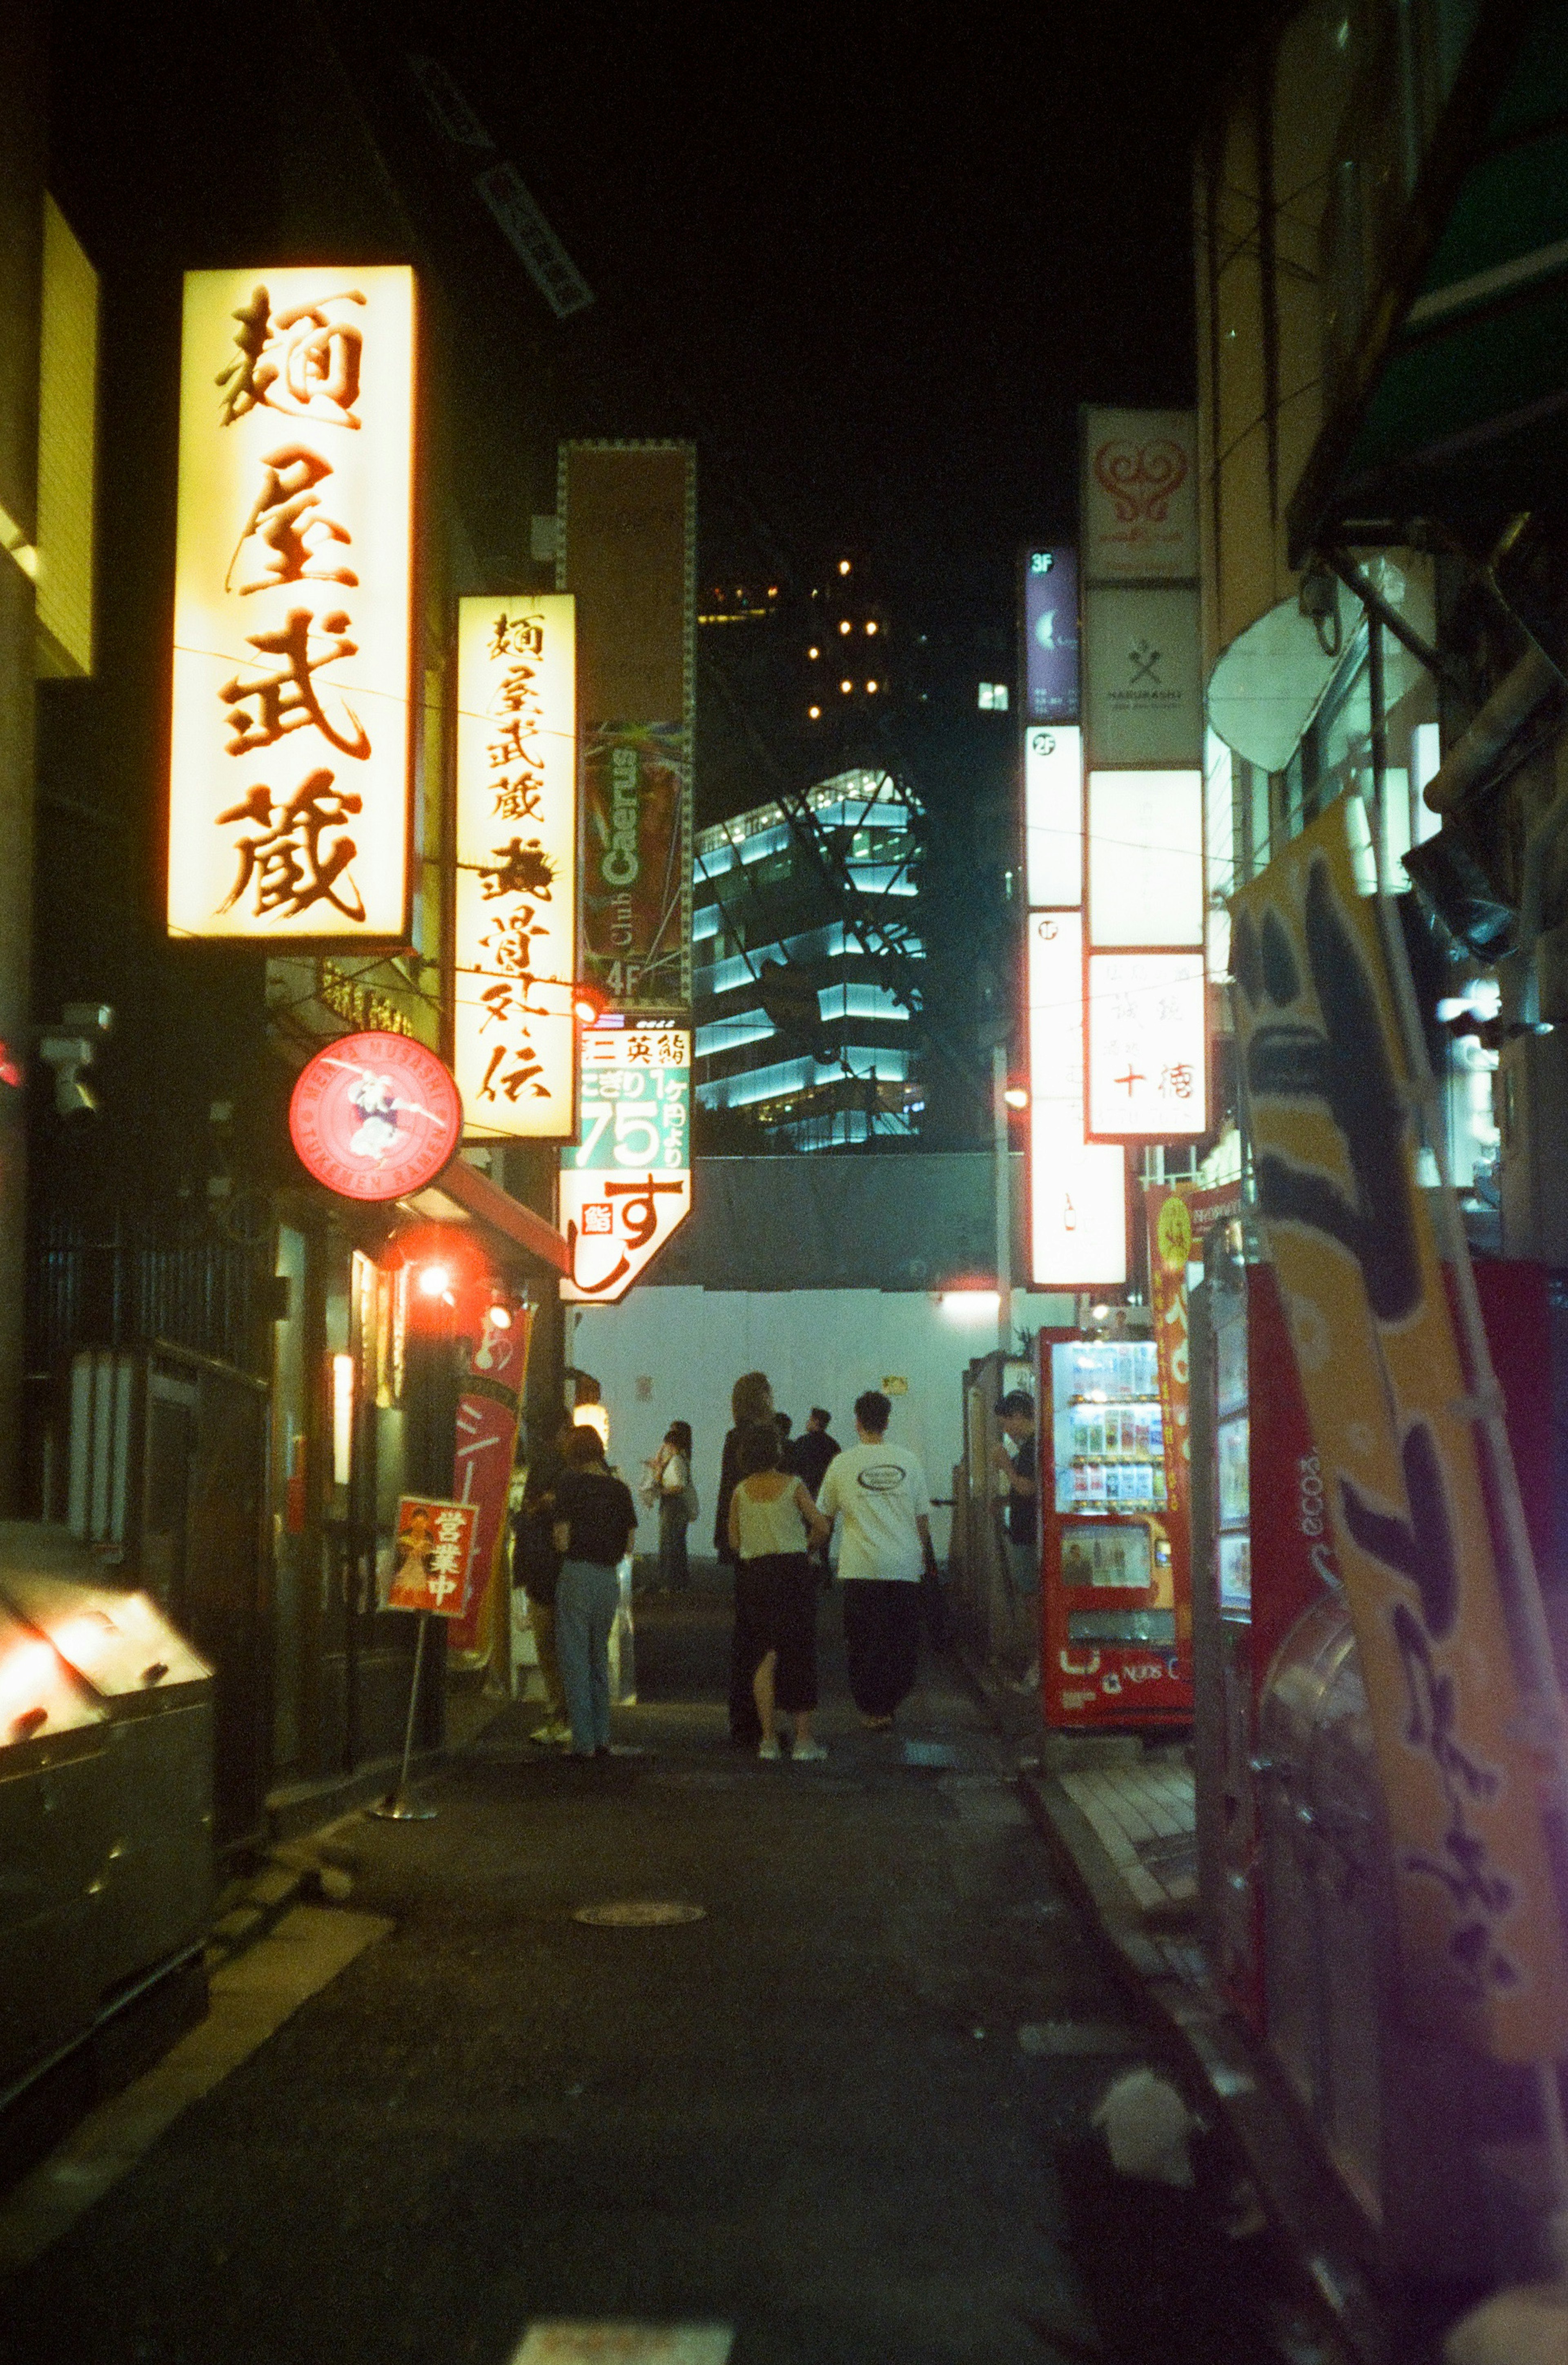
1078	1234
1053	814
289	769
1145	859
627	1183
515	929
1148	1046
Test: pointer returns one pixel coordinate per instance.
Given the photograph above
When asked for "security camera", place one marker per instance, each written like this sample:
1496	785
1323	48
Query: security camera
69	1048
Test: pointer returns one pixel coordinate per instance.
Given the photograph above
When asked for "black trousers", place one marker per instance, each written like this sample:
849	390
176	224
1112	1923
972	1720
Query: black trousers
748	1648
881	1637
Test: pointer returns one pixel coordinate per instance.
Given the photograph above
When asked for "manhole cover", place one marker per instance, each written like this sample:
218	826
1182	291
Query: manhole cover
639	1914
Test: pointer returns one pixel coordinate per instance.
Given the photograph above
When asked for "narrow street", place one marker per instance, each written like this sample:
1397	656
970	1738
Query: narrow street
827	2114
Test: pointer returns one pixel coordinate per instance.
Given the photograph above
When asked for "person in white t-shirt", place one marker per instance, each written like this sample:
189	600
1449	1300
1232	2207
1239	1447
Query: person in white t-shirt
878	1493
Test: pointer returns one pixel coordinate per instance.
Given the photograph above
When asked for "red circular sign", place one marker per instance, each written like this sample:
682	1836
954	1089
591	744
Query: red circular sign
375	1117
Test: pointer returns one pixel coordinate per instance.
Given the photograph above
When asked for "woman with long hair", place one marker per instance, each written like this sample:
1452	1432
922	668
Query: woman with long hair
670	1488
773	1524
751	1400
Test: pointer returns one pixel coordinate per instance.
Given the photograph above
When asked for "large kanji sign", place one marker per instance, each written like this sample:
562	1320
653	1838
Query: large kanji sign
627	1183
516	923
289	768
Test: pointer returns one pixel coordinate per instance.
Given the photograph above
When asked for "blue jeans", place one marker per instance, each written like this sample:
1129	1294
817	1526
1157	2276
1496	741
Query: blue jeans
587	1600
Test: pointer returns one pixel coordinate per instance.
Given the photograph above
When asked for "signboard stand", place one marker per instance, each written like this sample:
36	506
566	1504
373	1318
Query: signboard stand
431	1561
397	1807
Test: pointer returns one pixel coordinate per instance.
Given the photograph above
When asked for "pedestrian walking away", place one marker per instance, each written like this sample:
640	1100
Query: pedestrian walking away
668	1490
878	1493
809	1455
1021	1469
596	1523
773	1521
536	1567
751	1400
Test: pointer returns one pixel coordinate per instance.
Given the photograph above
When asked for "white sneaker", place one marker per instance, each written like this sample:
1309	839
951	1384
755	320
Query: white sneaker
808	1753
770	1750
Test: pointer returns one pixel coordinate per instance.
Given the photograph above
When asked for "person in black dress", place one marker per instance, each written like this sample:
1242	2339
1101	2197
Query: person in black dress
751	1400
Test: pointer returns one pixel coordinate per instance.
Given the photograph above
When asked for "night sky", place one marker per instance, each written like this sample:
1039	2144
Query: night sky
873	259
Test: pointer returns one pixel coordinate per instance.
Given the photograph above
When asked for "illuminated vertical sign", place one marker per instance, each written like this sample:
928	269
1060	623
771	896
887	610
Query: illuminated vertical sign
627	1183
1053	814
515	925
1077	1188
1050	636
1147	1046
291	742
626	527
1145	859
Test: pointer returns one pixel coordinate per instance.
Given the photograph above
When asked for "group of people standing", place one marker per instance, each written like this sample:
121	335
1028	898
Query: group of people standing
778	1506
779	1500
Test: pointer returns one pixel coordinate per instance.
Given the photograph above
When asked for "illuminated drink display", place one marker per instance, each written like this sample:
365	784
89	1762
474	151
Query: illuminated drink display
375	1117
290	748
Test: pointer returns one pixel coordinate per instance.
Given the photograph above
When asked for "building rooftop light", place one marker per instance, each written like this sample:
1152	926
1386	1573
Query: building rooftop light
843	565
846	686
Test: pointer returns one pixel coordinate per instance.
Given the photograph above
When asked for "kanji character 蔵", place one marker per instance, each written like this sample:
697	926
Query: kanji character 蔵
296	854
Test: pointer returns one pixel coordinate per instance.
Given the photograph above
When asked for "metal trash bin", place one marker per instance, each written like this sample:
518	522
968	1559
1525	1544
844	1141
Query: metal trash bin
105	1799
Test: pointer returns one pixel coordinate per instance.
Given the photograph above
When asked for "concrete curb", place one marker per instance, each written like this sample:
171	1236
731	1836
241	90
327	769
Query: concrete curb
1214	2054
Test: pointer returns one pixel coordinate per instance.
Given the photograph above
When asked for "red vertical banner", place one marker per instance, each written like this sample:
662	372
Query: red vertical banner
486	1440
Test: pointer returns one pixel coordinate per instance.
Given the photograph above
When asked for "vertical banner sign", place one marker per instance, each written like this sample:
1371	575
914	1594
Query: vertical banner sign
627	1185
1077	1189
1363	1288
1178	1217
626	545
486	1436
291	743
514	938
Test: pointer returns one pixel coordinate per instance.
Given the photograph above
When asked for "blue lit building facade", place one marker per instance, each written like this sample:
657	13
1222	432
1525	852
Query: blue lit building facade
807	962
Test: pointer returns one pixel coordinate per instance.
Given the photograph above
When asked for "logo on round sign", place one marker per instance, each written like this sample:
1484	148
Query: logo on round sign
375	1117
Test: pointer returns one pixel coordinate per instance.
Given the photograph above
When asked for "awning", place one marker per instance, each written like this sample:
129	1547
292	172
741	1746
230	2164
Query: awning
1460	401
497	1211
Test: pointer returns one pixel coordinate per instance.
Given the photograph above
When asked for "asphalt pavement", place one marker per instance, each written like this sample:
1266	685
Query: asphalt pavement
837	2115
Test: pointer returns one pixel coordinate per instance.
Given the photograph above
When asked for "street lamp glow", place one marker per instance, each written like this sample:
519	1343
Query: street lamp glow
847	687
847	626
970	1305
872	687
814	652
843	565
816	713
1016	1096
434	1280
871	627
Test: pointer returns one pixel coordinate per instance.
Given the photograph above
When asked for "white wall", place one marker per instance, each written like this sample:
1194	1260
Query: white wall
688	1346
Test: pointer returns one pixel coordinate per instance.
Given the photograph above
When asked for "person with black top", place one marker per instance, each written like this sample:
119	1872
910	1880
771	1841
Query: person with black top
751	1400
595	1521
773	1521
536	1567
1021	1468
808	1455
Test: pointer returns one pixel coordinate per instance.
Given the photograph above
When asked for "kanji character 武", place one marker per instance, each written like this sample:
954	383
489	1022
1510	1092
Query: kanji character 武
286	701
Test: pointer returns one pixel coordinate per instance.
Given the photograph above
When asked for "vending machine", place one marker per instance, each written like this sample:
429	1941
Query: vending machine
1113	1605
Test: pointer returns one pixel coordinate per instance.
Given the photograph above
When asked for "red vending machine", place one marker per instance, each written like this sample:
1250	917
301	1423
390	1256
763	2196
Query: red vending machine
1114	1606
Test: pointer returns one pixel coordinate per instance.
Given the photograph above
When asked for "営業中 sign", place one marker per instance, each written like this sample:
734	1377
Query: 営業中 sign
430	1555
